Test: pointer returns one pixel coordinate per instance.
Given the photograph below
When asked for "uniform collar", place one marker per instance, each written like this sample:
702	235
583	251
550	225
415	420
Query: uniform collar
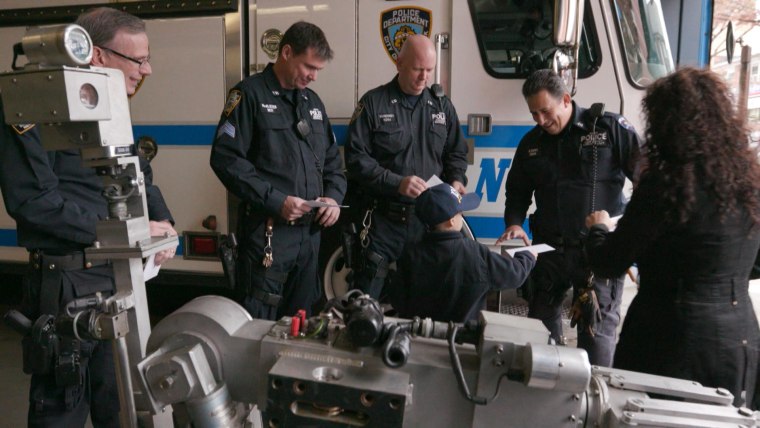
578	117
273	84
398	95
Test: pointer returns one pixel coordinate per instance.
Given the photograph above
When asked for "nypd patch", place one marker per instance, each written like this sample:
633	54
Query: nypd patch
357	112
232	101
398	23
22	127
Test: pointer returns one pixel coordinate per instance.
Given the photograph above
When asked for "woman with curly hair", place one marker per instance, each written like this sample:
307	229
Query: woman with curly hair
693	228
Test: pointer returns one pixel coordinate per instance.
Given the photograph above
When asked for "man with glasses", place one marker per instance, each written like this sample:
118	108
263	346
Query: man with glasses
56	203
275	150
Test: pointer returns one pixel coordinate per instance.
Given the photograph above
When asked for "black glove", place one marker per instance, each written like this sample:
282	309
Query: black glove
585	310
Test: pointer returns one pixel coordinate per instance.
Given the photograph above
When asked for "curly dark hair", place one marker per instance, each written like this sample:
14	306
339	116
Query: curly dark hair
695	140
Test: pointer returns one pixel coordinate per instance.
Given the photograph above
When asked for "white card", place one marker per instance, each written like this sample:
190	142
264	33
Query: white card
150	270
320	204
538	249
433	181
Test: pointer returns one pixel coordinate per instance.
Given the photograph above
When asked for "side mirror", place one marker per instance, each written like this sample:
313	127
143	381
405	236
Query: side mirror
568	22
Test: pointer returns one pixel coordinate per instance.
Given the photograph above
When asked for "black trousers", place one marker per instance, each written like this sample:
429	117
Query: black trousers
387	239
554	274
293	275
51	405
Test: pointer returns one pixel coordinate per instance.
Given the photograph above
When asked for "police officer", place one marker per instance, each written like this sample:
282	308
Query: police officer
56	203
573	162
402	134
275	150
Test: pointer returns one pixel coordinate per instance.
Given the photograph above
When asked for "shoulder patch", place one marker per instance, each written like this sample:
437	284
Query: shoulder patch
22	128
357	112
625	124
232	101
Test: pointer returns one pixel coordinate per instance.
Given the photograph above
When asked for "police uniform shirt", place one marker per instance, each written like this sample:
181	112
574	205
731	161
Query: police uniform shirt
561	170
262	154
55	200
390	139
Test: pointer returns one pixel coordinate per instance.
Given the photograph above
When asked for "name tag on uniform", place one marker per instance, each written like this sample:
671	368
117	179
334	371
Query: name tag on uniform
439	118
598	139
269	108
316	114
533	152
387	118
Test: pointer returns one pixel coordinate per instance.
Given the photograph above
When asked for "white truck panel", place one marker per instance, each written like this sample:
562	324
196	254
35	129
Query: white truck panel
375	66
335	83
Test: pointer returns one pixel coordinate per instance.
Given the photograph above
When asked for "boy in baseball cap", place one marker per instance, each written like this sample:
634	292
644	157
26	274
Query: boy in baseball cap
445	276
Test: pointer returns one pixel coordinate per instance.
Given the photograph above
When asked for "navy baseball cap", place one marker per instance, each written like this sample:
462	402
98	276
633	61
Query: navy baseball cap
442	202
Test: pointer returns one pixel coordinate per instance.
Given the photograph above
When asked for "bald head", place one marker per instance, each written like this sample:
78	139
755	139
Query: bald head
415	64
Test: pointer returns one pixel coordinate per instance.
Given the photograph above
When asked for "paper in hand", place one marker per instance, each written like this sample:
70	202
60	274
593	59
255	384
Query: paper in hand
539	248
150	270
614	221
320	204
433	181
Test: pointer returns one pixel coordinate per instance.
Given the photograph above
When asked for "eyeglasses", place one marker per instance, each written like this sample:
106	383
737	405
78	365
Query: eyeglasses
139	62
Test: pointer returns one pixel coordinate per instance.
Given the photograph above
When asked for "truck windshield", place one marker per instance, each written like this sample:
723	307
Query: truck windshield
515	37
644	39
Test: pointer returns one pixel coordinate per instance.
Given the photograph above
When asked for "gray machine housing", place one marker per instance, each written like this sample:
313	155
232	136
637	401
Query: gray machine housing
212	348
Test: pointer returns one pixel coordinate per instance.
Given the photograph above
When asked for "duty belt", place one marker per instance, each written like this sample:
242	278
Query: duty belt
396	211
76	260
304	220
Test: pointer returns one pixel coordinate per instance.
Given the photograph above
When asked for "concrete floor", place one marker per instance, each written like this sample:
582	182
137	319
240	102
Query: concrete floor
14	384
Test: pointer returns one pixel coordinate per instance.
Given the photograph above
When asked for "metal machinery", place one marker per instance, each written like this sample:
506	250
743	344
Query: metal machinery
349	366
85	108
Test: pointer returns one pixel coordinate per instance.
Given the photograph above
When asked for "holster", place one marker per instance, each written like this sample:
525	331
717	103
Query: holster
68	366
350	245
40	347
228	256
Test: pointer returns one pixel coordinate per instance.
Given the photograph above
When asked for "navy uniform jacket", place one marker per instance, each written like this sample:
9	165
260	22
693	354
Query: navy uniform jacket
560	171
258	153
447	278
55	200
389	140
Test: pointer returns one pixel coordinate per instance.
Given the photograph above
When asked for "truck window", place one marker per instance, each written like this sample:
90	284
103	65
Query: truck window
515	37
645	41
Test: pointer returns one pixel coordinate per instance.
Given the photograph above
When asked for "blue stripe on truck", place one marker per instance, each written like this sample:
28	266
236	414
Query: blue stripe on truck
8	238
502	136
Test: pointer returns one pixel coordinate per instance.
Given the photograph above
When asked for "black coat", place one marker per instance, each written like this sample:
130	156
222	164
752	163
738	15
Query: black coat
692	317
447	277
55	200
262	157
388	139
558	170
